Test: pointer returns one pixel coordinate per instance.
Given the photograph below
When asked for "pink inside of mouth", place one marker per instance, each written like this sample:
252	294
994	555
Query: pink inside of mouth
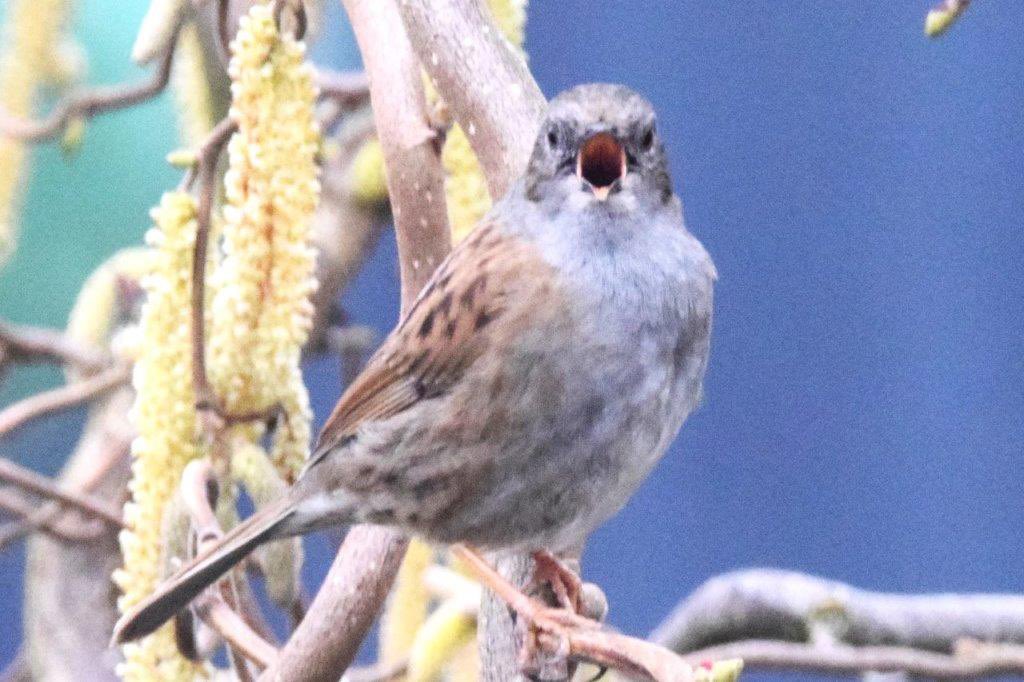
601	160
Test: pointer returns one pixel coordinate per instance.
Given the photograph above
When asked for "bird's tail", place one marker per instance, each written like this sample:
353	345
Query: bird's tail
181	588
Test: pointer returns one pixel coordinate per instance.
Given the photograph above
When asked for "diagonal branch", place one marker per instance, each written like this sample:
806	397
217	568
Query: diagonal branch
25	344
62	398
87	103
18	503
117	443
483	80
38	484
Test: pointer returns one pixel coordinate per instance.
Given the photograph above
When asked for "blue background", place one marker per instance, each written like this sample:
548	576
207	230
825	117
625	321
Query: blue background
859	188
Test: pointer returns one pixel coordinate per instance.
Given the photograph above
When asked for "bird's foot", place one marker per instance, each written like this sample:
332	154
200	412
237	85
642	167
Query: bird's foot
548	640
565	583
549	629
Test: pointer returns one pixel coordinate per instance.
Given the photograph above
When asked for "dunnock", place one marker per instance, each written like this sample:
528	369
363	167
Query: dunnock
537	379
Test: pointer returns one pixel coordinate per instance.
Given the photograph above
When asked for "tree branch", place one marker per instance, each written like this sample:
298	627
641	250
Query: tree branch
87	103
326	641
62	398
70	600
785	605
29	480
484	81
118	442
25	344
210	606
839	659
16	502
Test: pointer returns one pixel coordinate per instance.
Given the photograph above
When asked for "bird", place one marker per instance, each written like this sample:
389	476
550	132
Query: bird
536	380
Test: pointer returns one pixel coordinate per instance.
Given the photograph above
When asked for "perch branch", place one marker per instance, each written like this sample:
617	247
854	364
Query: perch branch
326	641
62	398
579	638
87	103
24	344
28	480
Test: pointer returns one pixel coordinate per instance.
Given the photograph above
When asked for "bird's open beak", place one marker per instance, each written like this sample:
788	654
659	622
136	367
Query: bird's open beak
601	162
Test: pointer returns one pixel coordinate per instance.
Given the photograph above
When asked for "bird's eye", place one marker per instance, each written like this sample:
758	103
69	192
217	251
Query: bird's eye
648	139
552	138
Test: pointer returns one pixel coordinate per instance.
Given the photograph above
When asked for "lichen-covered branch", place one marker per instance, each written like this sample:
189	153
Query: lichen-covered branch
838	659
785	605
792	621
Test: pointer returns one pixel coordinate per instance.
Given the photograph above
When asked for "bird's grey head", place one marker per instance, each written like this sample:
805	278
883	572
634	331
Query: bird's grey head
598	149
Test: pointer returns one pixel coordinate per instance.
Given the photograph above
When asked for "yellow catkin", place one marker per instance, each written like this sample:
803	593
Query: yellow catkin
465	665
941	18
367	174
441	638
28	49
192	95
261	310
465	188
408	605
94	314
165	420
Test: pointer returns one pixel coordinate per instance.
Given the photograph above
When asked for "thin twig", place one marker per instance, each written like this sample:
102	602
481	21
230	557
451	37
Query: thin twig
216	613
13	501
19	476
211	606
89	102
987	661
350	89
62	398
205	175
25	344
50	513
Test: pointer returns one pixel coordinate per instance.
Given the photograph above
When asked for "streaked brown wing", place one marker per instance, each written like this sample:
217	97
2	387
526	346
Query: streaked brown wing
444	332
